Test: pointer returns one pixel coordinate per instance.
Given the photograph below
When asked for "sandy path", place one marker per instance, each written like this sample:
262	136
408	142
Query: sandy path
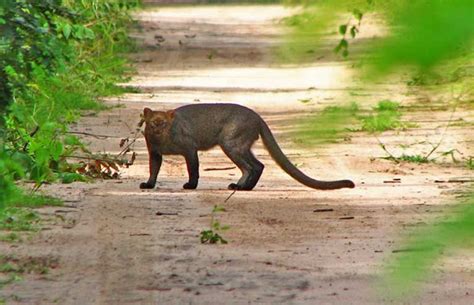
113	248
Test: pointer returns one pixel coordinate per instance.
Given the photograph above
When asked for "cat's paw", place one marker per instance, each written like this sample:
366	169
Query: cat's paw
146	185
234	187
189	186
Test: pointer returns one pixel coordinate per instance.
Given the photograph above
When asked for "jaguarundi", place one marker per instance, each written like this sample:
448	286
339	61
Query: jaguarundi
185	130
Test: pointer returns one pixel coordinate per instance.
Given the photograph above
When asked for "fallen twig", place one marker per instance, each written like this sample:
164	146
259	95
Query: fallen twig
97	136
219	168
322	210
166	213
393	181
232	194
346	217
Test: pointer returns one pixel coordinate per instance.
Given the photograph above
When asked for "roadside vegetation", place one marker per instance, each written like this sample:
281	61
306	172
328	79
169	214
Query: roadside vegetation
57	58
334	123
431	42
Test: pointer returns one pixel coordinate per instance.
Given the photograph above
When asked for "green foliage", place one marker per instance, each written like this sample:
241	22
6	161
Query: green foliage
434	37
316	22
242	1
35	200
37	122
442	27
417	158
470	163
9	170
56	58
212	235
333	122
16	219
424	247
11	237
328	125
29	37
18	216
386	116
410	158
353	25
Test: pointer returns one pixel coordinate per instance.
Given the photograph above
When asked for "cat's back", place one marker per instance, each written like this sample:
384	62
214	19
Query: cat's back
215	114
207	124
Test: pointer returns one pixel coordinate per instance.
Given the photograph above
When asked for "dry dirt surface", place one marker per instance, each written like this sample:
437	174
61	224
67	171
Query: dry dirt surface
113	243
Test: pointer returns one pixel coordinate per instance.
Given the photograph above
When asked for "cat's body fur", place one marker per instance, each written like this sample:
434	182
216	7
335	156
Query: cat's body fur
188	129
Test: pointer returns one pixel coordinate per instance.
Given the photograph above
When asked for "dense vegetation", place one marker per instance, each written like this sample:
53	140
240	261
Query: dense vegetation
56	58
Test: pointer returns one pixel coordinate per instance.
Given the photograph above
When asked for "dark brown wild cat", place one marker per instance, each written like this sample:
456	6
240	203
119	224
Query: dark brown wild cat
234	128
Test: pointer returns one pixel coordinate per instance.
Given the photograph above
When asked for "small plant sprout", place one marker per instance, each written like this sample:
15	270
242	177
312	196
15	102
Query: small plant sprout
470	163
212	235
420	158
386	116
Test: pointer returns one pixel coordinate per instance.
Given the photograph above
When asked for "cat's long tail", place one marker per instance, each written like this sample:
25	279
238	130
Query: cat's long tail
293	171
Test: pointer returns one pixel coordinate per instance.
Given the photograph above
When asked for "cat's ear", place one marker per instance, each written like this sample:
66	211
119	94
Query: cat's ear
170	115
147	112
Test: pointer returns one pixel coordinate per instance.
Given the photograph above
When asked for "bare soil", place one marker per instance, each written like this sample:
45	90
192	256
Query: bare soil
116	244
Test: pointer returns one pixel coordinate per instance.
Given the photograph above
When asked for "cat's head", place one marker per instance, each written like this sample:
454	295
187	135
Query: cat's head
158	121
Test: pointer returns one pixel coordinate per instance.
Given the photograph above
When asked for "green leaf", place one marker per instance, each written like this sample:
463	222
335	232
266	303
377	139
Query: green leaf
11	72
343	29
216	225
67	30
72	140
89	34
56	150
71	177
218	208
343	45
354	31
78	32
206	235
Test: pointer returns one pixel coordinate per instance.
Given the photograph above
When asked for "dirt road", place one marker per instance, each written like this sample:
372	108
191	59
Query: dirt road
116	244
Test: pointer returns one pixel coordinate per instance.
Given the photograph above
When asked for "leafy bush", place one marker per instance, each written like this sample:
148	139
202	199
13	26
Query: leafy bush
9	170
386	116
56	58
328	125
333	122
30	39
